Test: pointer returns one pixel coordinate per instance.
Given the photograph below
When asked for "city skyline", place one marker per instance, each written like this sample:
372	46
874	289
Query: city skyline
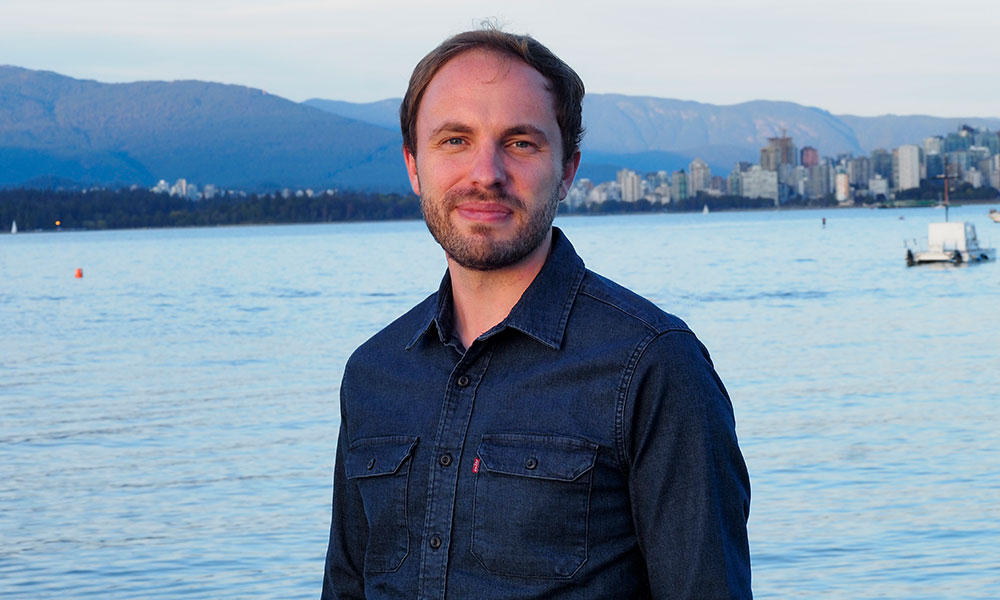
875	58
785	172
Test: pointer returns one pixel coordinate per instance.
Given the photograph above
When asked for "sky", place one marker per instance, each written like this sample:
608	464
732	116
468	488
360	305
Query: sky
856	57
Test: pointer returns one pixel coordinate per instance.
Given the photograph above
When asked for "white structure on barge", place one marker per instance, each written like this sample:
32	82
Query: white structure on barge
954	243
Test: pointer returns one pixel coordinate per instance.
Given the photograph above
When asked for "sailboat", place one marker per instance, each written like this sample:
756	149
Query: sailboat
13	227
704	209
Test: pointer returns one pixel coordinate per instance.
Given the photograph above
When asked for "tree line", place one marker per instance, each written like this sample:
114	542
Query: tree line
38	209
931	189
35	209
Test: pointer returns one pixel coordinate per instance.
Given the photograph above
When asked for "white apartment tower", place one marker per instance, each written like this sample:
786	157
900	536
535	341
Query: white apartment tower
630	184
907	157
760	183
699	178
842	187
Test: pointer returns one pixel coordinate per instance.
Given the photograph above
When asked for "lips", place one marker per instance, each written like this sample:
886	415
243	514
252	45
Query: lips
487	212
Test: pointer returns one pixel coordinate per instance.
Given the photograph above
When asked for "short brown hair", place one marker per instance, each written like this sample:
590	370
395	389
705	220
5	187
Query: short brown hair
565	85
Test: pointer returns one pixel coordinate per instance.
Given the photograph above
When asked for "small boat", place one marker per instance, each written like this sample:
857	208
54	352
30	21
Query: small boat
13	227
953	242
995	215
704	209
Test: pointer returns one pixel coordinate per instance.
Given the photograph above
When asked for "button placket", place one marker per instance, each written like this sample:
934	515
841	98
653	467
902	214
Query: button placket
459	398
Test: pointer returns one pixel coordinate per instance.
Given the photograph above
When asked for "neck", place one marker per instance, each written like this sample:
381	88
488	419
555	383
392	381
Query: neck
481	299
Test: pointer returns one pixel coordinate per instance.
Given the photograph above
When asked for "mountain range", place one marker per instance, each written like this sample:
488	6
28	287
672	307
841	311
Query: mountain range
56	129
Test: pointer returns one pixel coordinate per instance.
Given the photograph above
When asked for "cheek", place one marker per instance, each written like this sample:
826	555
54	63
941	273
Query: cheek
439	174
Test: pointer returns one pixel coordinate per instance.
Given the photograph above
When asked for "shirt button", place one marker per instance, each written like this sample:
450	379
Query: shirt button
435	542
371	464
531	463
463	381
445	460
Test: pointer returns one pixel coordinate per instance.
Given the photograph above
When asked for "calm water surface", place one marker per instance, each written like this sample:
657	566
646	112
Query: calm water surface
168	422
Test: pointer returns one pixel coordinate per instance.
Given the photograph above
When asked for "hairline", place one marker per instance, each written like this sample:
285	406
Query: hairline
562	83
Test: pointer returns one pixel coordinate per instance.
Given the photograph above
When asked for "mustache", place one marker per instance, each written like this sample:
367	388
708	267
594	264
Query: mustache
454	197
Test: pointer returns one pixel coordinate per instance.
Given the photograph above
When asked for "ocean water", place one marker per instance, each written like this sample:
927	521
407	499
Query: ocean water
168	421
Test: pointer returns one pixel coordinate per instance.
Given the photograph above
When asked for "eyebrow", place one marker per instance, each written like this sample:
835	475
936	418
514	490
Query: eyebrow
451	127
456	127
525	130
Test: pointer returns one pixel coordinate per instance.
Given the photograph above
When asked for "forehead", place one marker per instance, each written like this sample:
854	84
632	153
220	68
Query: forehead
487	85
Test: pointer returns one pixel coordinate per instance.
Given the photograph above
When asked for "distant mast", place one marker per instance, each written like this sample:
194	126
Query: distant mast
946	188
13	227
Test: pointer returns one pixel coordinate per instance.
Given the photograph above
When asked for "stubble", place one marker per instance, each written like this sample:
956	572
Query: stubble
481	250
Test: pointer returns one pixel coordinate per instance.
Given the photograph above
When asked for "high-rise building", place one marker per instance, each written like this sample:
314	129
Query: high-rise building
906	166
882	164
960	140
817	183
986	138
842	188
810	156
859	171
974	177
577	194
978	153
934	145
779	151
180	188
630	185
934	166
733	187
662	193
699	178
678	186
603	192
878	186
760	183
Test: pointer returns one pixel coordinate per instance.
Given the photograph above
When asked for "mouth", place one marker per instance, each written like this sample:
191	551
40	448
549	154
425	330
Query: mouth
484	212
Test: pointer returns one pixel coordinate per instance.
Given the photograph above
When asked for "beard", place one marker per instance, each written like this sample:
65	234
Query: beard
480	250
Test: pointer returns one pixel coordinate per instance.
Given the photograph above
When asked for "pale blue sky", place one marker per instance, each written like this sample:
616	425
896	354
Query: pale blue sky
859	57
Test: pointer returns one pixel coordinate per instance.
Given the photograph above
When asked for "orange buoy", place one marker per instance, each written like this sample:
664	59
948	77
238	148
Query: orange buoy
79	273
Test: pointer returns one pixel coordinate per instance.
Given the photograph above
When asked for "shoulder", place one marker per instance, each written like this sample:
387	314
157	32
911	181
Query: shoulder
393	339
622	304
662	349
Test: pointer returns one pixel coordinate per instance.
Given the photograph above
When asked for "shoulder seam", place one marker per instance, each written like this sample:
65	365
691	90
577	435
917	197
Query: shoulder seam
657	328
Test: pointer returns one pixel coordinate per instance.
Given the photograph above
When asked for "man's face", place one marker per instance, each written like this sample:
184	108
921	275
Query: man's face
488	167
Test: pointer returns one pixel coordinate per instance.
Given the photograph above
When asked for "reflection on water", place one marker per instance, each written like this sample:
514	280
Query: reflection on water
168	422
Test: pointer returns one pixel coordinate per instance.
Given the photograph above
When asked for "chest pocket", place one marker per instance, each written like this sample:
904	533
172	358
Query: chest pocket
380	467
532	504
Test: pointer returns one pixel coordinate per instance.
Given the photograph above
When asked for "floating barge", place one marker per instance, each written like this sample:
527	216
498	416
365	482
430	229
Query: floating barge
954	243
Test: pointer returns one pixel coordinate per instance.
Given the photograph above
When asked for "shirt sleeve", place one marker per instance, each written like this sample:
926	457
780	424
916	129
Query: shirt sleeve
343	577
688	483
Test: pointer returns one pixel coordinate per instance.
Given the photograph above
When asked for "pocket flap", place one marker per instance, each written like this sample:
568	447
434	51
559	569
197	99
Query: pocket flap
370	457
541	456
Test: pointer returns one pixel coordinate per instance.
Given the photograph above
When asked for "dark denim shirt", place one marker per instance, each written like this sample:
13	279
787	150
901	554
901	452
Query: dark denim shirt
582	448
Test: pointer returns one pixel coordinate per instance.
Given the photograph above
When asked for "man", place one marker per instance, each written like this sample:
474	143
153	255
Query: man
532	430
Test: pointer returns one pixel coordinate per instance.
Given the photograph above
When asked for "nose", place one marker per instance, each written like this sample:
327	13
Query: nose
488	167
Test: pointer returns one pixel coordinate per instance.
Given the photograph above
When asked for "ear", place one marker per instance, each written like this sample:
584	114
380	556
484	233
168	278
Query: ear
568	174
411	170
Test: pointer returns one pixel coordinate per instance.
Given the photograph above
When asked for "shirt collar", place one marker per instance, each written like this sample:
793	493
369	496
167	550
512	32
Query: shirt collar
541	313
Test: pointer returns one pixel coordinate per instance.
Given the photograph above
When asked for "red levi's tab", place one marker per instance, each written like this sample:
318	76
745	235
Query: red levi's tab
475	465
